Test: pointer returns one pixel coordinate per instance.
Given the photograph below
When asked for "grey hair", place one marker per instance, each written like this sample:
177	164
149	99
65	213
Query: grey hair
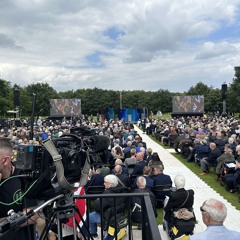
111	179
133	151
216	210
141	182
179	181
231	140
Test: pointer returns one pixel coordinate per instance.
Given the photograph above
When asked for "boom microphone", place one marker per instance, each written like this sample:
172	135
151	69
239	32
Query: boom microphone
99	142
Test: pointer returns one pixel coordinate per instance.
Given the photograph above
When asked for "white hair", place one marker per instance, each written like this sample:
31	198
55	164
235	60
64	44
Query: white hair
112	180
216	210
179	181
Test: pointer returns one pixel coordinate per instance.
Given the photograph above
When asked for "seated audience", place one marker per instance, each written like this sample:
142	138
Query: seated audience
137	202
124	169
138	169
155	160
148	155
132	160
160	178
118	153
181	198
149	181
111	186
214	214
233	179
94	179
211	160
127	149
123	178
226	157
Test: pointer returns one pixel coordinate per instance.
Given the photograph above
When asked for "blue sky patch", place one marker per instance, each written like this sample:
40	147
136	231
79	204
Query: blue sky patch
113	33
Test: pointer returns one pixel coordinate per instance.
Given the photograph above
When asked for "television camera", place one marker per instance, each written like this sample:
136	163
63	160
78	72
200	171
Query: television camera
54	170
61	164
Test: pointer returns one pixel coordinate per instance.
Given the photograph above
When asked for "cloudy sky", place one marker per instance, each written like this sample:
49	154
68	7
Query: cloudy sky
119	44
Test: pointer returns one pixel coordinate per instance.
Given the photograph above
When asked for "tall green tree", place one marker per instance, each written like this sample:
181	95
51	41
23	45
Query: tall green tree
6	97
43	93
233	96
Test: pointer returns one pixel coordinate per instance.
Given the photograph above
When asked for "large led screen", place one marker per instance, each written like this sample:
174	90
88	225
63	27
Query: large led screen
188	104
65	107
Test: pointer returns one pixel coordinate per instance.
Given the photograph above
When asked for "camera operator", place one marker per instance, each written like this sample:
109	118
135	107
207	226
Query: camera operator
10	195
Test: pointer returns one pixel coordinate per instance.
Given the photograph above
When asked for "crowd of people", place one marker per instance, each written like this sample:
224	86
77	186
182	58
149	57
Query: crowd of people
211	143
131	165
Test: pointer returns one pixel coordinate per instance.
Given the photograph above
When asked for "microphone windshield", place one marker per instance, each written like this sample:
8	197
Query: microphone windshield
99	142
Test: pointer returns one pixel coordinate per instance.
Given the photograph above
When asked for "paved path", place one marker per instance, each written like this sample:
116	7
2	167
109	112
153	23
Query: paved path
202	191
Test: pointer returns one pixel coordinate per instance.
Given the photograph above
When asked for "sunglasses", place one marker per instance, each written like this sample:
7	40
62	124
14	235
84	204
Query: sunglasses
201	209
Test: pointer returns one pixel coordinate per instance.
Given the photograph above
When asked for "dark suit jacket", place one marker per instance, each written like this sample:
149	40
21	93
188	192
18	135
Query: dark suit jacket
124	179
138	169
96	180
149	183
161	179
176	199
124	170
213	155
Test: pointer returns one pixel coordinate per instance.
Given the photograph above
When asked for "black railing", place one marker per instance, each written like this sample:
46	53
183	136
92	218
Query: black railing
149	229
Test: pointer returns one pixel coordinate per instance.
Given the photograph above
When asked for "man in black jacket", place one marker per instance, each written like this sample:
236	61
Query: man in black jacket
137	202
211	160
10	194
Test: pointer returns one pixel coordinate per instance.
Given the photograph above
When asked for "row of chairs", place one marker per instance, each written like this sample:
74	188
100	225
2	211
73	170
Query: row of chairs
157	190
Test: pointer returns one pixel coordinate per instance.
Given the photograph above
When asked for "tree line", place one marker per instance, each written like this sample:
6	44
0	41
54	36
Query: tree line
96	100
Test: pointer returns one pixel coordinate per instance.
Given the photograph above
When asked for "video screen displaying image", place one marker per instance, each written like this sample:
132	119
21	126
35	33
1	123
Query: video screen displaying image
188	104
65	107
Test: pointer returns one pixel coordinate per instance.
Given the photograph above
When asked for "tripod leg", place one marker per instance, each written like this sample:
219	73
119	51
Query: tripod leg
48	226
84	224
59	227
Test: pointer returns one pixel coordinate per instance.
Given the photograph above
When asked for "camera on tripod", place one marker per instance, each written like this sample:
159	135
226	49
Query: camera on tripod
70	155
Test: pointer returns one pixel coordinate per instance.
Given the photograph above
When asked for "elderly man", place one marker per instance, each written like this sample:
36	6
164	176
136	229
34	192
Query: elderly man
214	214
138	169
211	160
123	178
137	202
160	178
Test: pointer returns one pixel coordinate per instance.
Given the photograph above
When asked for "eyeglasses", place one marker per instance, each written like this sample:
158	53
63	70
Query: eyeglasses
201	209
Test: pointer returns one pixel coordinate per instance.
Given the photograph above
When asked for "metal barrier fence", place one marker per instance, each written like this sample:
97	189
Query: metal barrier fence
149	227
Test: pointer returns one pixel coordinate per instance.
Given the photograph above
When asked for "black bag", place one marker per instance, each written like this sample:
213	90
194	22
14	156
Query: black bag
185	226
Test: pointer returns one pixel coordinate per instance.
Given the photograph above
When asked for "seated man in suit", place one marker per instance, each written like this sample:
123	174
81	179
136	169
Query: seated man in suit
149	181
120	162
181	198
138	169
124	179
160	178
96	179
137	202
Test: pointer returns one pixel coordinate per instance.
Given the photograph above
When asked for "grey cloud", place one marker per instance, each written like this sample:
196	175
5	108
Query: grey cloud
7	42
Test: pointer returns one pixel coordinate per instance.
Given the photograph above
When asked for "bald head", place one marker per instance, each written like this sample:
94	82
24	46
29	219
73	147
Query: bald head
118	169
